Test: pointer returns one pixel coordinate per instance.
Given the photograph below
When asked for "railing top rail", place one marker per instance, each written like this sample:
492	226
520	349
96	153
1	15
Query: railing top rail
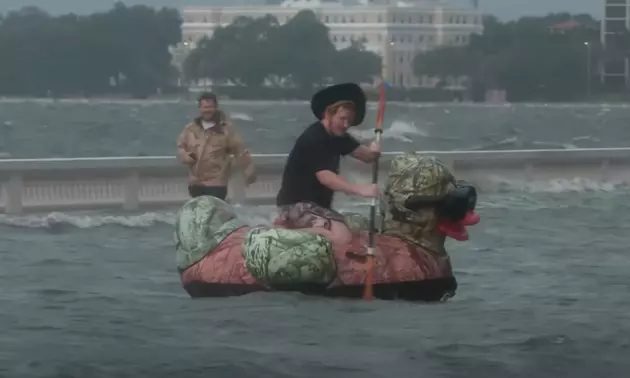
120	162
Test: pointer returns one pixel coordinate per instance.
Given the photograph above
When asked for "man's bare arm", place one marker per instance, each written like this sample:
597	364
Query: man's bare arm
335	182
365	154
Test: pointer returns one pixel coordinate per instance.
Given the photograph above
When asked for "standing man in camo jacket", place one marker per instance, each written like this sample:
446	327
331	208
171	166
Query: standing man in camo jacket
207	146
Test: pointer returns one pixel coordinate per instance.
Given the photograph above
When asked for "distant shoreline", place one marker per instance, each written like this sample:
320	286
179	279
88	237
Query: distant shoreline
416	96
597	101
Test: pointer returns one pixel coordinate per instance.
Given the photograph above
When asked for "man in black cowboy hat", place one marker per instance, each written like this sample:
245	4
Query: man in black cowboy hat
311	174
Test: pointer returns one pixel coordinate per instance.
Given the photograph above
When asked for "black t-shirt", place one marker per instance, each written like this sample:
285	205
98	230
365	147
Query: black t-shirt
315	150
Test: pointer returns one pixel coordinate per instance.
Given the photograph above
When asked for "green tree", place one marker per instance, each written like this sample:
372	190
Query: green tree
531	58
356	64
70	54
304	51
241	52
299	53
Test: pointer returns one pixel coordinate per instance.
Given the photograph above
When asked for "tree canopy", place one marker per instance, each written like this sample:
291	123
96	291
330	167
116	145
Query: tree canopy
253	52
123	50
533	58
127	50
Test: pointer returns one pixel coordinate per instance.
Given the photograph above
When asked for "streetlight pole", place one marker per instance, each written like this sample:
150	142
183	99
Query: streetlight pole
388	62
588	69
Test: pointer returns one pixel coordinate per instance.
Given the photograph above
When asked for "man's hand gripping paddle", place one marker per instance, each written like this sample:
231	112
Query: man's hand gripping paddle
368	292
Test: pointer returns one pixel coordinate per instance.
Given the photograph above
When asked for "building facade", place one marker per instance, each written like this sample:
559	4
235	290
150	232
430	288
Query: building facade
615	72
395	30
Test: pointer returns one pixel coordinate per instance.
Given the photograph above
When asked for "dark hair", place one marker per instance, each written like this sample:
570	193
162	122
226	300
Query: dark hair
205	96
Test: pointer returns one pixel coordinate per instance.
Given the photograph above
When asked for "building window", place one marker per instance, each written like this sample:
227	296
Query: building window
616	26
380	19
430	19
327	19
615	12
343	20
364	19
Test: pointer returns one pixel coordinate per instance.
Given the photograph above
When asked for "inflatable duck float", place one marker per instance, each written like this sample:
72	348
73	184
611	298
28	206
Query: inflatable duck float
218	254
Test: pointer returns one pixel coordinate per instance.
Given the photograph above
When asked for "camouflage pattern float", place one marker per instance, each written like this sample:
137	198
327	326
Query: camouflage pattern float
218	254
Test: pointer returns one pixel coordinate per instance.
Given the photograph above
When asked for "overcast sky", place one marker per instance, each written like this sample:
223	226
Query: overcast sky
505	9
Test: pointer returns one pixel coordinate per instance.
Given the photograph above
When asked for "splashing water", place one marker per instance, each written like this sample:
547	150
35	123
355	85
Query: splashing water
241	116
398	130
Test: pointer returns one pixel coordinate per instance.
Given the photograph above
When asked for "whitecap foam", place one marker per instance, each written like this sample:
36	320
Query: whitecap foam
398	130
576	185
54	219
516	143
251	215
241	116
510	196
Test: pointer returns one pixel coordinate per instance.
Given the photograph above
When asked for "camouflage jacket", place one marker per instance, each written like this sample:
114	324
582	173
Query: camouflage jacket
213	151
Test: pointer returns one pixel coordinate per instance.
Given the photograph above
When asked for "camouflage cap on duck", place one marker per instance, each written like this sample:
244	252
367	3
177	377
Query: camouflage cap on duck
413	174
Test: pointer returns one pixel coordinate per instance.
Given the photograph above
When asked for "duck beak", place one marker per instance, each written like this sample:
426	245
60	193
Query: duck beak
457	230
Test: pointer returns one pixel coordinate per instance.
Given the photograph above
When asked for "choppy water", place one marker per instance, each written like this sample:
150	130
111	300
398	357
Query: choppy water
543	281
110	128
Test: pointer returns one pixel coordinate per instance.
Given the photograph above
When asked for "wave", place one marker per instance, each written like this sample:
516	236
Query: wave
372	105
241	116
407	132
398	130
575	185
55	219
532	197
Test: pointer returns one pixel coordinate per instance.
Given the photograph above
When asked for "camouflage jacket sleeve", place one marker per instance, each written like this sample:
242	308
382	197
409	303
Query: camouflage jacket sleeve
183	149
237	148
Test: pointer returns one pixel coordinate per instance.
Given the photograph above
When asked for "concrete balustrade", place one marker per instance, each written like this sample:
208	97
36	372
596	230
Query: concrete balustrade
131	183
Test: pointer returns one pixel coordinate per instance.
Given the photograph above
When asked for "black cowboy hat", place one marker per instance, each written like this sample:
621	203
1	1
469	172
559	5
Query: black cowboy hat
340	92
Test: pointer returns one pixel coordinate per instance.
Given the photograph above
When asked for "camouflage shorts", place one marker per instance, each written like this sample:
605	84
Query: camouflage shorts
307	215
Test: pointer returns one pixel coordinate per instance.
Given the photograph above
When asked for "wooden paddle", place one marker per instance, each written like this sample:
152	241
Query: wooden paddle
368	291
